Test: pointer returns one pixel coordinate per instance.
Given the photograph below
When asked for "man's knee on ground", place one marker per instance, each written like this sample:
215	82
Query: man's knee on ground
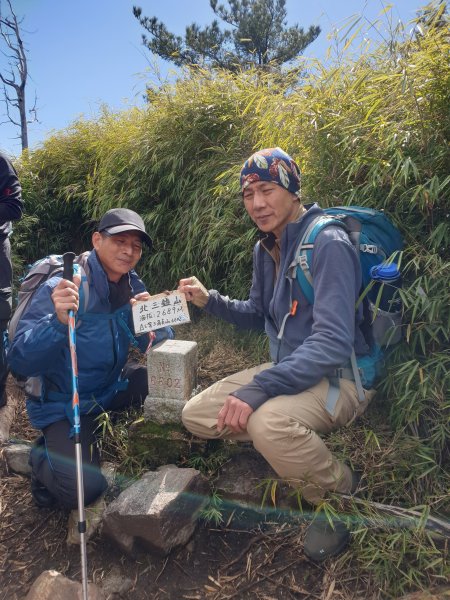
94	487
138	378
94	484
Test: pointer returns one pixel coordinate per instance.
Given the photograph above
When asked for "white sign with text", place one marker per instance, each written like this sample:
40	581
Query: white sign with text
162	310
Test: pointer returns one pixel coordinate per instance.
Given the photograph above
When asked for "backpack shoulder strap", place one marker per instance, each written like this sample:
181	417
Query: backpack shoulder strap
303	256
303	253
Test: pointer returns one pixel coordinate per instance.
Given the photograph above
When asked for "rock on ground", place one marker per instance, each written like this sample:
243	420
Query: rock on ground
7	415
159	511
16	456
51	585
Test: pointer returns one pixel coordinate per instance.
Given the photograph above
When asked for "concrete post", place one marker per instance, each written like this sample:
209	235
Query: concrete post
172	376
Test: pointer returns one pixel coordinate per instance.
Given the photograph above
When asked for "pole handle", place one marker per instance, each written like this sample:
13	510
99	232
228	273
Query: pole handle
68	259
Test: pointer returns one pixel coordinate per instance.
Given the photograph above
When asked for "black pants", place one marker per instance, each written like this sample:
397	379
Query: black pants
53	459
5	310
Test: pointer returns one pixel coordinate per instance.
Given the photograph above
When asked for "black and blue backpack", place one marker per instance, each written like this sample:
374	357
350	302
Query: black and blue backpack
379	246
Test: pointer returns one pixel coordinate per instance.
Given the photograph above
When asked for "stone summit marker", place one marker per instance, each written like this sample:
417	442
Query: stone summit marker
172	376
172	364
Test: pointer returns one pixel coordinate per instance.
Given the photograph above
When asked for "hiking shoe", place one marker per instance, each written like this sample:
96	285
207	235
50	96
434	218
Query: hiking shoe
323	540
41	496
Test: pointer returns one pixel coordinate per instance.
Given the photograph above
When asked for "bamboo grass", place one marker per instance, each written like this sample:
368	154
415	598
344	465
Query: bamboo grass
369	129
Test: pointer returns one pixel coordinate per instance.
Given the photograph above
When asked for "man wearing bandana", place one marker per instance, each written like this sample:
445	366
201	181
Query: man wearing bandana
283	406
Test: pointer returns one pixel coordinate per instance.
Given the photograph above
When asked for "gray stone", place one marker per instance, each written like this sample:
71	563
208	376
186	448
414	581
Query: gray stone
16	456
172	370
7	413
163	411
93	514
159	511
115	583
51	585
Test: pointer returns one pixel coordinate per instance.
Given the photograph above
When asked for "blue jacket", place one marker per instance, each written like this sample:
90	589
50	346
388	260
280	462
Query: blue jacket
319	338
41	348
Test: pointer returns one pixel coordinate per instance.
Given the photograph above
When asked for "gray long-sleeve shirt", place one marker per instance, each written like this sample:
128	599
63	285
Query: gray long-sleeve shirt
319	338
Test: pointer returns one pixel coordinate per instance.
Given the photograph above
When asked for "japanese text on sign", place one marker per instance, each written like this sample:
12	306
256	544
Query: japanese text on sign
161	310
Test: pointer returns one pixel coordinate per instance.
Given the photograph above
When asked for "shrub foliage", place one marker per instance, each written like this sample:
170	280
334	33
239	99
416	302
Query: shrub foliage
371	130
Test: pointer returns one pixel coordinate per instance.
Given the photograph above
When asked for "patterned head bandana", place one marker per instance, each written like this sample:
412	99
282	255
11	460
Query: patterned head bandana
271	164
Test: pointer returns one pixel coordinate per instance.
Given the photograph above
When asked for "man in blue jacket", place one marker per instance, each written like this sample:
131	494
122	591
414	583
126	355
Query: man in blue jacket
284	406
107	380
11	207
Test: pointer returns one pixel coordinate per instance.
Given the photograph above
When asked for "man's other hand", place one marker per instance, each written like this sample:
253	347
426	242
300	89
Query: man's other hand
234	414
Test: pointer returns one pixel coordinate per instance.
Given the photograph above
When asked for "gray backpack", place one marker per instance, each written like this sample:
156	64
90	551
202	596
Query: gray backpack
38	273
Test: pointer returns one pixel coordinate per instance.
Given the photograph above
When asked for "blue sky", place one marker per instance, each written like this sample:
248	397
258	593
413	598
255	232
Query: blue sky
85	53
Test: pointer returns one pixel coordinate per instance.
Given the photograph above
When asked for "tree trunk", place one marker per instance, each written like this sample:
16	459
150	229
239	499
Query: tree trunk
23	120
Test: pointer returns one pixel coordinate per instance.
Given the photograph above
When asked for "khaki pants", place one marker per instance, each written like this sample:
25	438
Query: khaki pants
285	430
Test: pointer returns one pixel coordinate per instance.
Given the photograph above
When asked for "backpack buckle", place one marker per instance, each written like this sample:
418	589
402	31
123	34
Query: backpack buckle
368	248
303	262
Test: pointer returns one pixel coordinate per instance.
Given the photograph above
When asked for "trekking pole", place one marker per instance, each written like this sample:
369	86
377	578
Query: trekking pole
68	274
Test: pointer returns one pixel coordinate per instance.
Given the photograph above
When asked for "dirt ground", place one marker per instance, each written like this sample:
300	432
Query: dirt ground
238	559
243	558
